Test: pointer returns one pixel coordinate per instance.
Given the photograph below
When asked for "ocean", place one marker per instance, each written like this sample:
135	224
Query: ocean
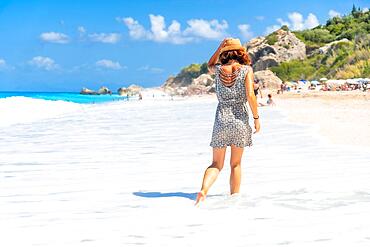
69	97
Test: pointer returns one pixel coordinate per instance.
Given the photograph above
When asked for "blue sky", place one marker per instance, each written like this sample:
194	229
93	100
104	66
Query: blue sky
66	45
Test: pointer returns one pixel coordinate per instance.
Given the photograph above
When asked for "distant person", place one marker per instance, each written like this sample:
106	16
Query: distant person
234	88
269	101
140	96
282	87
257	87
364	86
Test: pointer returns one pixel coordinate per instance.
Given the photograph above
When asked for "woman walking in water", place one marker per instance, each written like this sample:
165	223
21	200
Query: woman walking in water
234	82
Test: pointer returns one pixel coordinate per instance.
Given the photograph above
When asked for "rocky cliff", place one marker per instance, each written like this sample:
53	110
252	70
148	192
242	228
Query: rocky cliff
203	84
271	50
130	90
265	52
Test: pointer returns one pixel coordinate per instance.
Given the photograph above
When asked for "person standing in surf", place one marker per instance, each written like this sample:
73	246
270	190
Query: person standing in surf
234	81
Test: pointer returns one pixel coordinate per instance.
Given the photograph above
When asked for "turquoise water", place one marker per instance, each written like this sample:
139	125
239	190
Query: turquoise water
71	97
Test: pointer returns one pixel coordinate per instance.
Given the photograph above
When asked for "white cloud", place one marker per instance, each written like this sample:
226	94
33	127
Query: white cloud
206	29
245	31
332	13
5	66
260	17
81	30
151	69
2	63
275	27
136	30
158	28
197	28
111	38
365	9
272	28
108	64
311	21
54	37
282	22
43	63
297	22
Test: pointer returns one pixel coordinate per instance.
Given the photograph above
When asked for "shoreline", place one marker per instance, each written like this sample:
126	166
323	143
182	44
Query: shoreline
341	117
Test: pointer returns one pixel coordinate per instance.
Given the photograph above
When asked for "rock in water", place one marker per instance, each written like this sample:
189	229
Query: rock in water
87	91
104	90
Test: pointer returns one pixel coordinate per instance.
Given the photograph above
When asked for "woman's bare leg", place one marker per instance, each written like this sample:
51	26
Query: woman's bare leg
211	173
236	170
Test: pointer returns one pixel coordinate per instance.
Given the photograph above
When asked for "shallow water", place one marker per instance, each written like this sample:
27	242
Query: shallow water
69	97
126	173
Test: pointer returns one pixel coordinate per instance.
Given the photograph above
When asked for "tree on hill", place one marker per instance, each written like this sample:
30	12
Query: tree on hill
337	28
343	60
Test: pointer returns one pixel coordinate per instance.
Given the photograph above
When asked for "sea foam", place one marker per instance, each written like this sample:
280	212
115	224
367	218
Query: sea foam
18	109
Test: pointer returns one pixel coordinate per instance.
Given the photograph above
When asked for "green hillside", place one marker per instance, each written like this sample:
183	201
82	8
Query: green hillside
344	60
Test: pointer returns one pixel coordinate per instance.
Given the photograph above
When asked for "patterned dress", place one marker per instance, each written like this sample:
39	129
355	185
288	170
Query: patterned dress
231	124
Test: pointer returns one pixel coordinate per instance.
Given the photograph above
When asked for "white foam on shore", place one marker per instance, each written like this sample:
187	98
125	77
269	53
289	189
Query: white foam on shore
126	173
18	109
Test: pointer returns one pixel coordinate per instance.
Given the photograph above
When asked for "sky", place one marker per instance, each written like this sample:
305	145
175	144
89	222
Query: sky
62	46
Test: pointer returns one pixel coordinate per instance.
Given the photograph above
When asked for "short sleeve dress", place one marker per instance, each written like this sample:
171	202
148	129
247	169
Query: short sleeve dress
231	124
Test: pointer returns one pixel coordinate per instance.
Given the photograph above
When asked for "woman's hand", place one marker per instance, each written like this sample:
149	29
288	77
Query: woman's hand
257	125
214	59
223	43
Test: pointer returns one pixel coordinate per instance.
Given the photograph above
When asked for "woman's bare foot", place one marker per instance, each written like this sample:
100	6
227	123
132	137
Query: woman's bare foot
200	197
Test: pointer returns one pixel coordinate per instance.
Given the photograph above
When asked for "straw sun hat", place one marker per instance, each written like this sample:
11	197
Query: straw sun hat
232	44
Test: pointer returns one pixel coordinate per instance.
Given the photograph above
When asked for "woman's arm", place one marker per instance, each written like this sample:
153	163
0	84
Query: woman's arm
213	60
251	97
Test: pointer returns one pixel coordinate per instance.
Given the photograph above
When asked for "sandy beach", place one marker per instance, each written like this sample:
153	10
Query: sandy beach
342	116
126	174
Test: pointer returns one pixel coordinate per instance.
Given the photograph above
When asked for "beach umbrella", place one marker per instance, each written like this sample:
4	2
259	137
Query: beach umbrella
315	82
335	82
353	81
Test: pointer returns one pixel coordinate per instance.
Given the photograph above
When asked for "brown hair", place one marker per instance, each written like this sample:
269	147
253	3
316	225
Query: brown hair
238	55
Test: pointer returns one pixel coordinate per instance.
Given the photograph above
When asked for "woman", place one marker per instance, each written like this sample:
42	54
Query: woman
234	87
